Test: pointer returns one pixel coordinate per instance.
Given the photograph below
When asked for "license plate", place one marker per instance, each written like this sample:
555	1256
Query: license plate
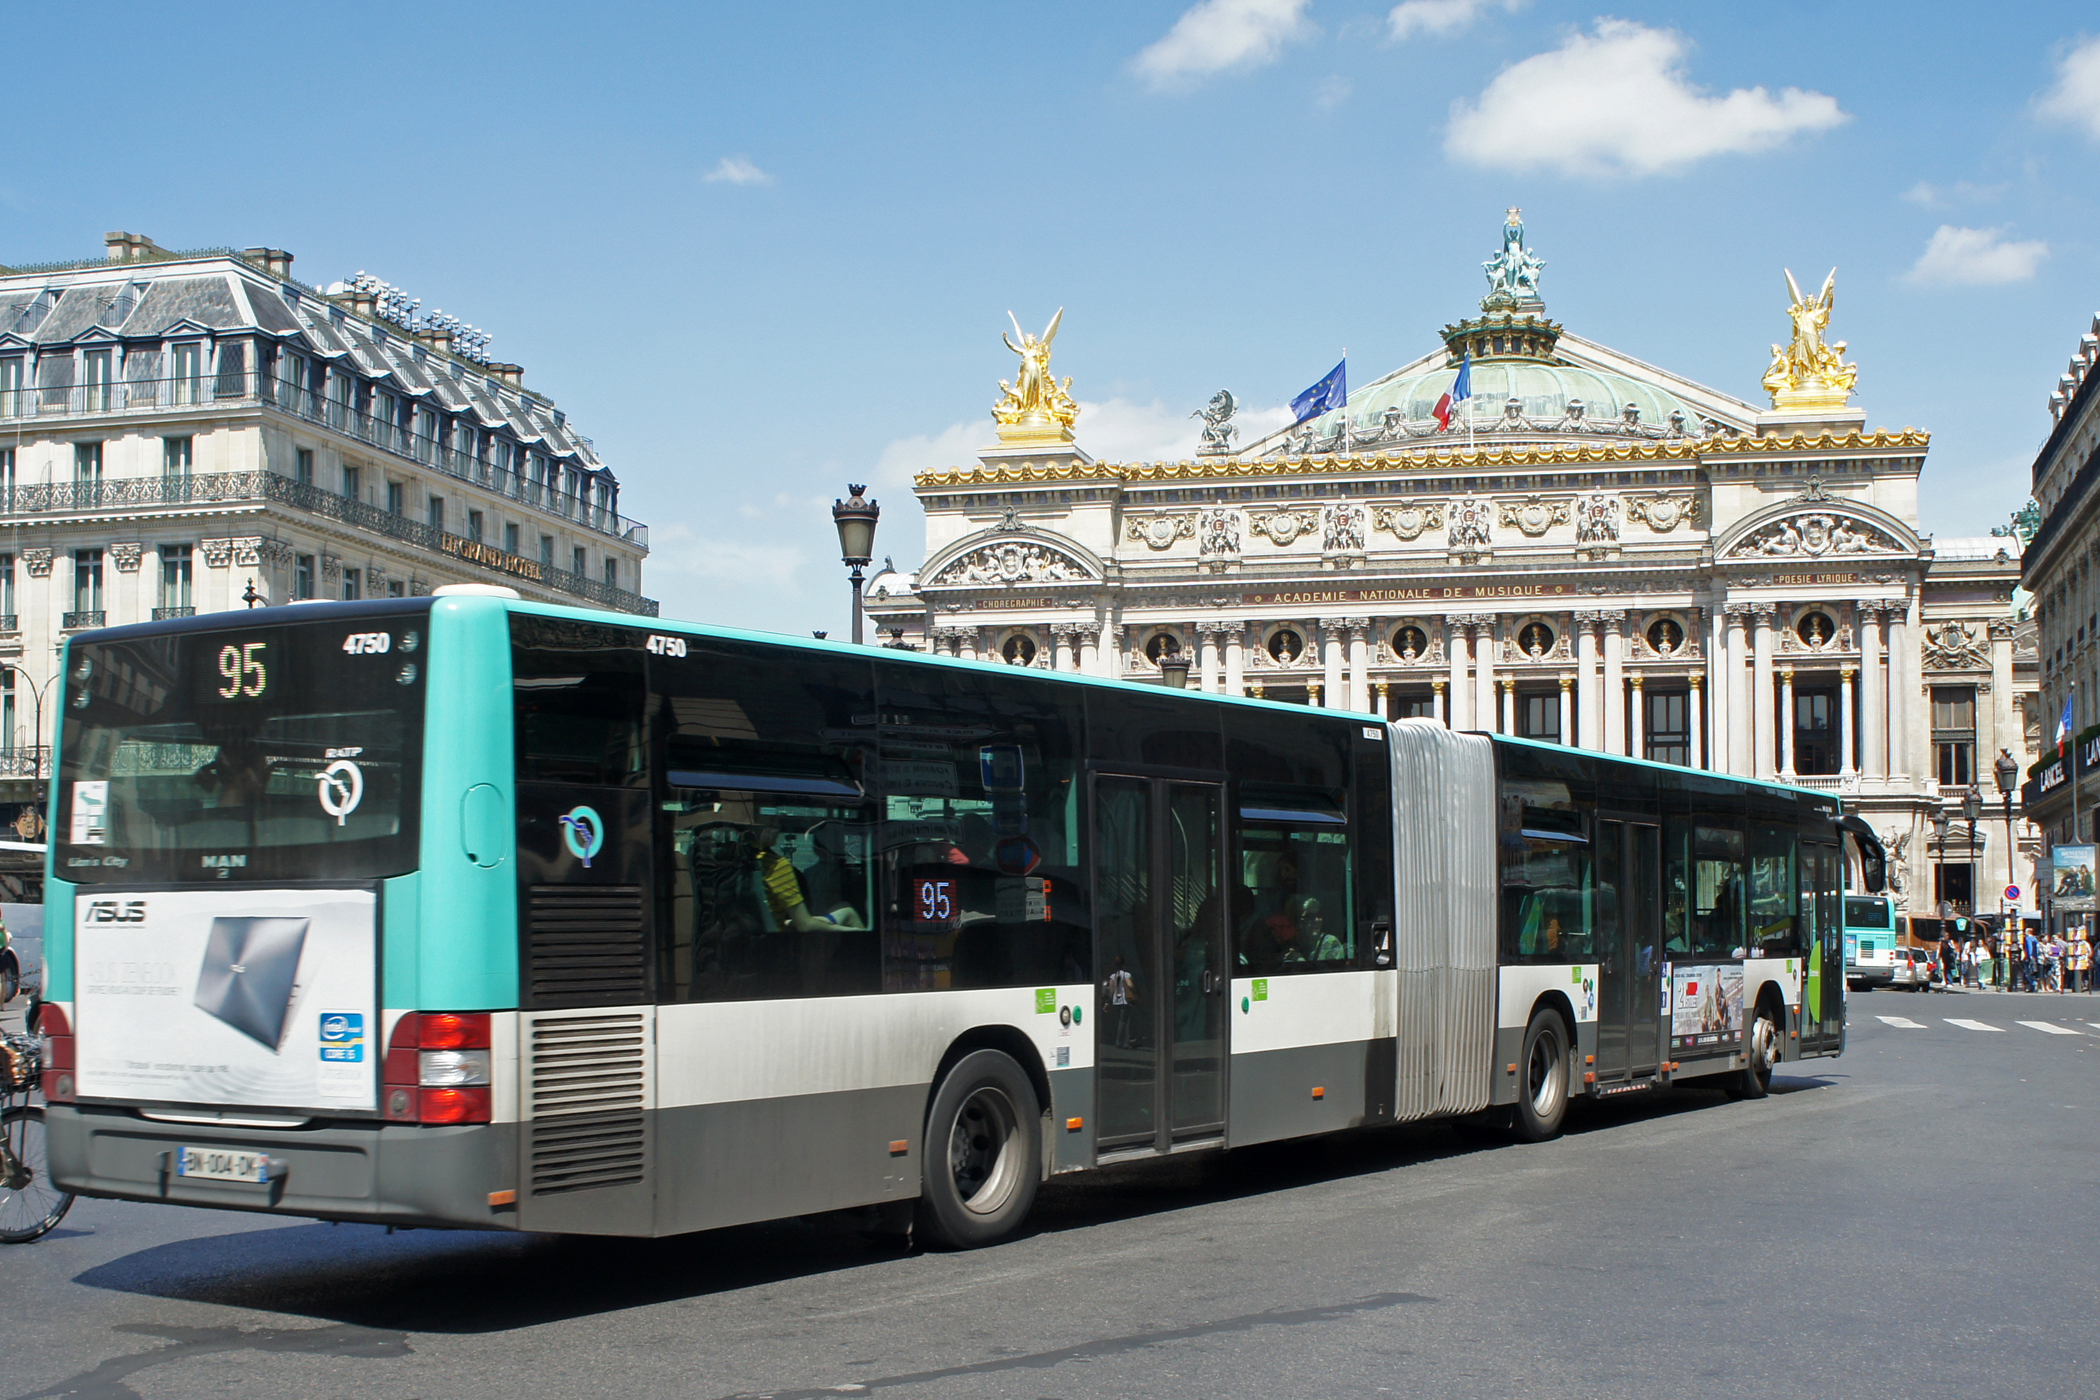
222	1164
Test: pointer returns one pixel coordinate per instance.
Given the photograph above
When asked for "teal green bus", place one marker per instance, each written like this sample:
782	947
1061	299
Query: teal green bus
1871	931
470	912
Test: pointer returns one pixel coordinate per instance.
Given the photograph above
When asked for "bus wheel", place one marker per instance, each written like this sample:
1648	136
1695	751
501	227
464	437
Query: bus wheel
984	1153
1542	1096
1755	1079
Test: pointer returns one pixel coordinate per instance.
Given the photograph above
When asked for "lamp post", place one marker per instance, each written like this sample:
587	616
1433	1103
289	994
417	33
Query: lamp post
36	734
2006	772
1971	809
1174	670
1939	871
855	518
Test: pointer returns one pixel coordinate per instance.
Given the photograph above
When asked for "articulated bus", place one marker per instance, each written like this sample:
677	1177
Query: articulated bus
463	911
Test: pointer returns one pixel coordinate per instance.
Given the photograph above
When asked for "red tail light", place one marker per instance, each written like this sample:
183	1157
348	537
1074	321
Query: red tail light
406	1096
58	1054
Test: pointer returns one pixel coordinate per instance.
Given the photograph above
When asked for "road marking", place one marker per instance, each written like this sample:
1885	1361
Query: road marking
1973	1025
1901	1023
2046	1026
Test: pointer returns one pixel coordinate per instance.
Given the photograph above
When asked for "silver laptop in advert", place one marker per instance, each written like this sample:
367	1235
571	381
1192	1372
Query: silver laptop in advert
251	969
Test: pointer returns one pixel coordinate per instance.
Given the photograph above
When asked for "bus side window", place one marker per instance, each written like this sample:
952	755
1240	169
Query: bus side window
1774	925
577	700
1292	908
1548	897
1717	893
1677	888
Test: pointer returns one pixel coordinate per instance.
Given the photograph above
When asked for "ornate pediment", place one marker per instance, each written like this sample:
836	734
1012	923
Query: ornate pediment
1012	563
1815	534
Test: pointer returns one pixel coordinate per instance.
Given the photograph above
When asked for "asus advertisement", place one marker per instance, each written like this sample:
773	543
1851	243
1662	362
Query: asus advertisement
251	999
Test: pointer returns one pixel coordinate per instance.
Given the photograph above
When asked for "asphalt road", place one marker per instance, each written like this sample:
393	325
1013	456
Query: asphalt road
1913	1219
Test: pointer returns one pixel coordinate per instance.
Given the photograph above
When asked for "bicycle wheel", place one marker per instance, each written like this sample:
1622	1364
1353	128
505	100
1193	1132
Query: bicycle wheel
29	1203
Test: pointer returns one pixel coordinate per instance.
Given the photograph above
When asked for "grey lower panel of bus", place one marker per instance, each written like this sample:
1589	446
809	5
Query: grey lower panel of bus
1447	891
389	1174
1272	1090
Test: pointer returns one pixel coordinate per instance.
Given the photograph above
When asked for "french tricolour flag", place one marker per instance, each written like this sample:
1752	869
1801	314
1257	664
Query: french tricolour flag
1461	390
2063	727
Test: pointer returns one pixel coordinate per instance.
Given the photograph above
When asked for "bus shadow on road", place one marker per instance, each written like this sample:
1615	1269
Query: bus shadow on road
467	1282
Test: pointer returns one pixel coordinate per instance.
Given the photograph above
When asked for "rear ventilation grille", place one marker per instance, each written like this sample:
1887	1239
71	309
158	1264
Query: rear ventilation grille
584	946
585	1099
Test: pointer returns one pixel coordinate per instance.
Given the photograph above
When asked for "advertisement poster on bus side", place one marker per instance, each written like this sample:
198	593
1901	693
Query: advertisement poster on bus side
1706	1007
241	998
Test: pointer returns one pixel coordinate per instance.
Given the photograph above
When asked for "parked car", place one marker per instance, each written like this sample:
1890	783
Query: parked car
1916	969
22	960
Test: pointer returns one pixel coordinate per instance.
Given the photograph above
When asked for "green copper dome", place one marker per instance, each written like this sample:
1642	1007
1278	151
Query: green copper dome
1543	395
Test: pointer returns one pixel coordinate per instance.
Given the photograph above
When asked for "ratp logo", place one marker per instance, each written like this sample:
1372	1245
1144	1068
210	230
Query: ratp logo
584	831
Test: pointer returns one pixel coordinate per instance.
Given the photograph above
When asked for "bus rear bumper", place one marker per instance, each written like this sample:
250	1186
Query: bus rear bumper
382	1174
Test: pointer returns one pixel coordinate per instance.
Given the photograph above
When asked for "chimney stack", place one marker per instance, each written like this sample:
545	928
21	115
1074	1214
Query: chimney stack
130	247
275	261
513	375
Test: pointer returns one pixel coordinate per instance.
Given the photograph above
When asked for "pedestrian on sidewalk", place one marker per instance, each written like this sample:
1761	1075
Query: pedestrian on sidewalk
2080	958
2053	964
1969	976
2031	955
1950	961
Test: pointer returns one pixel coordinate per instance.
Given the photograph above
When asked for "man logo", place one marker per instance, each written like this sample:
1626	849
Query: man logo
111	911
584	832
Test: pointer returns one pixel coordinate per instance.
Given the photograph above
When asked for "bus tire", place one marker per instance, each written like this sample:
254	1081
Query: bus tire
984	1153
1754	1080
1542	1090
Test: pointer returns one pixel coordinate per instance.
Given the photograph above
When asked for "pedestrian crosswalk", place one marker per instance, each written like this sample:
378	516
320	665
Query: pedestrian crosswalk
1905	1023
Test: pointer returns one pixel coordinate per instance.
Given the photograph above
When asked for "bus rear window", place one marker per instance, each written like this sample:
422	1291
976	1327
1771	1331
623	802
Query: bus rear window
281	752
1866	913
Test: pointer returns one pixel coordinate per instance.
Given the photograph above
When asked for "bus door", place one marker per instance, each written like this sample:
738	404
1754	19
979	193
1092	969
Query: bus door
1629	953
1160	963
1822	922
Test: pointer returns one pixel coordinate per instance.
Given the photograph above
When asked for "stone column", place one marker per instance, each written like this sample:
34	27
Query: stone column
1588	709
1060	646
1458	715
1236	659
1331	662
1567	710
1903	690
1691	723
1484	672
1359	664
1762	736
1207	660
967	640
1786	723
2006	732
1509	706
1438	689
1846	766
1738	759
1614	715
1873	695
1637	720
1717	687
1381	703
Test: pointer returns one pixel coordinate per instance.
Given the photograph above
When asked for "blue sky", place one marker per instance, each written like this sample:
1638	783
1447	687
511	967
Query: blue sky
759	251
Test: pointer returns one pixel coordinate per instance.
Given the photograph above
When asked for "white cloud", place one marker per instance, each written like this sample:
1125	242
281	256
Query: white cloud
1332	93
736	170
1216	36
2076	96
678	549
1976	257
1617	102
1412	17
1945	196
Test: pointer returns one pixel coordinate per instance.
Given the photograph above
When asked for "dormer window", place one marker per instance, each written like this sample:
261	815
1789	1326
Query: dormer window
186	371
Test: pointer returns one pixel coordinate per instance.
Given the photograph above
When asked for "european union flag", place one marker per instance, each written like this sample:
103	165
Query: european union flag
1331	392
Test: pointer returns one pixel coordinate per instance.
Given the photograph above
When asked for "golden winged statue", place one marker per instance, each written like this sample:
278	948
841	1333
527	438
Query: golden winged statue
1035	407
1807	373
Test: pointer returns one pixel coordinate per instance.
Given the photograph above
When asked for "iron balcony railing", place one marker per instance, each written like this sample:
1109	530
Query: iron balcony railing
23	760
222	488
75	621
235	388
163	614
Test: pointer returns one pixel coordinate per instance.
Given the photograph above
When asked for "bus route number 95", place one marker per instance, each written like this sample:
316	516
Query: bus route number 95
665	646
933	902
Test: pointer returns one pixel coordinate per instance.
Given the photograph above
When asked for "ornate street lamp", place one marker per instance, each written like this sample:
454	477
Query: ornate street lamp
2006	772
1174	670
1939	838
1971	809
855	518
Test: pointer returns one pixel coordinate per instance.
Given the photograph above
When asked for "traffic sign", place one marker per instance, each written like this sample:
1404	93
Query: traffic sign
2012	892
